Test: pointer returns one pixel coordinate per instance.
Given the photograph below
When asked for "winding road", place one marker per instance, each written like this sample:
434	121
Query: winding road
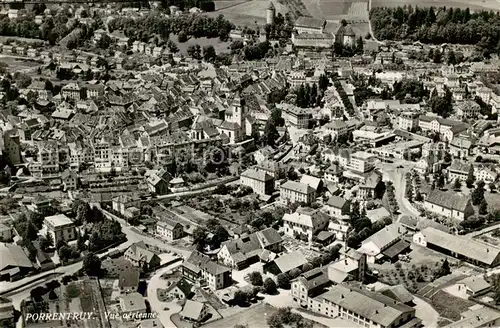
163	309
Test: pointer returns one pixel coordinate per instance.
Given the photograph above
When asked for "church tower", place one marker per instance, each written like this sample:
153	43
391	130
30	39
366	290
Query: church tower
238	111
270	13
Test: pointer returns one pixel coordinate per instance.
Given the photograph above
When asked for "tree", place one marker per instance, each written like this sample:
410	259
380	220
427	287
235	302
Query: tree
104	42
65	253
283	280
457	184
92	264
255	278
477	195
182	37
470	178
200	236
483	207
31	233
437	57
270	134
172	46
46	242
443	270
209	53
270	286
240	297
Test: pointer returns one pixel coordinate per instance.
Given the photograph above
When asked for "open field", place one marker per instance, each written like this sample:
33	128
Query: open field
337	9
473	5
253	317
246	13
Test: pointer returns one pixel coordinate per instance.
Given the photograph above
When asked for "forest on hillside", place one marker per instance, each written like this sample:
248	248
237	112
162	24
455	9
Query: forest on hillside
438	25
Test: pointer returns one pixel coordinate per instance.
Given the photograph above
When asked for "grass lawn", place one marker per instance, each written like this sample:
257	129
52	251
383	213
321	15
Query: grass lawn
449	306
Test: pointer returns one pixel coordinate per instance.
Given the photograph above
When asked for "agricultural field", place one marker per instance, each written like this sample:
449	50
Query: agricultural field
473	5
246	13
336	9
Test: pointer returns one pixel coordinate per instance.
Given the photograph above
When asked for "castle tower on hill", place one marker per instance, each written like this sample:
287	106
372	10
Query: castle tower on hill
270	13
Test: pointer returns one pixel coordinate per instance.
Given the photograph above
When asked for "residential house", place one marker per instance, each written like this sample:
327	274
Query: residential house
169	230
60	227
194	311
339	228
467	109
338	128
305	223
181	290
71	91
449	204
132	305
123	203
260	181
248	249
140	256
408	121
472	286
309	284
296	192
69	179
376	245
486	174
337	206
199	267
286	263
460	147
128	280
159	182
333	173
371	187
459	170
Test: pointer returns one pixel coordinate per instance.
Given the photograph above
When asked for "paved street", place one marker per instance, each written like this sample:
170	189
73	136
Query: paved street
426	312
397	177
156	305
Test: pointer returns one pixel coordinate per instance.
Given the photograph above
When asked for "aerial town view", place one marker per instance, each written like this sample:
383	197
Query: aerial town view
249	163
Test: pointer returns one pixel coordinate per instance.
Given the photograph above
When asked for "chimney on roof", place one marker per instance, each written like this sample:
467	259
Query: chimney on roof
345	261
478	318
342	296
376	311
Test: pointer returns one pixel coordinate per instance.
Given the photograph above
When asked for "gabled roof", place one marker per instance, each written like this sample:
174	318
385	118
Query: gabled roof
192	310
337	202
447	199
467	247
309	22
290	261
372	306
385	236
13	255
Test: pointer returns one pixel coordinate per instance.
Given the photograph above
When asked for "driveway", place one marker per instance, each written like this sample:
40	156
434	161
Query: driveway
157	306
